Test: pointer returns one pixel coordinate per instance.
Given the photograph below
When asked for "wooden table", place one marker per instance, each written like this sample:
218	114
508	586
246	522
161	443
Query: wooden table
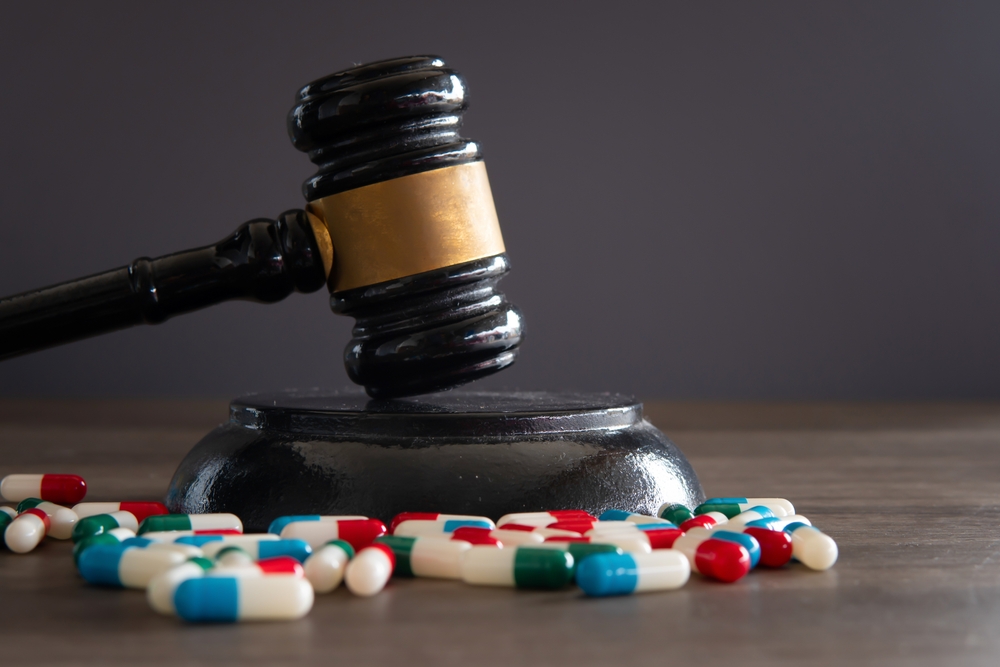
910	492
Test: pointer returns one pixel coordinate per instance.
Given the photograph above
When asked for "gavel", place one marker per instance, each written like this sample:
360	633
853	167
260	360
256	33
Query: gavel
400	225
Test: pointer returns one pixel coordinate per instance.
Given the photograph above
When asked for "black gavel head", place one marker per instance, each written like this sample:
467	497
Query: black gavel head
415	250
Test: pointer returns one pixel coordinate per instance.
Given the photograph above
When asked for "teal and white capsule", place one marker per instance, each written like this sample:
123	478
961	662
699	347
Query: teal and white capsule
755	513
170	522
438	528
162	587
623	574
62	519
522	567
325	568
125	566
113	536
230	599
279	524
674	513
733	506
261	548
812	548
631	517
775	523
101	523
426	556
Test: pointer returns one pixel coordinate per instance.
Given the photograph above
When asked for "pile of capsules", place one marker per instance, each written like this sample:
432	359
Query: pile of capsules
203	568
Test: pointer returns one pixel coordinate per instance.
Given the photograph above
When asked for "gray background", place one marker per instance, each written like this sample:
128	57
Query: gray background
752	200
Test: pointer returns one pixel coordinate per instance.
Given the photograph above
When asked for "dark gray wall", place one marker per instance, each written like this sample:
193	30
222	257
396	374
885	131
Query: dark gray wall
753	200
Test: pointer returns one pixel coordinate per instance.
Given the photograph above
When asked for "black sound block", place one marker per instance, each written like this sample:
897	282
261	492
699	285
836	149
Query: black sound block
459	452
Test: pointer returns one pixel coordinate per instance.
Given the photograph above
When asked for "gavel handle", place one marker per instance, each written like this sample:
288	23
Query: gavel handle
263	260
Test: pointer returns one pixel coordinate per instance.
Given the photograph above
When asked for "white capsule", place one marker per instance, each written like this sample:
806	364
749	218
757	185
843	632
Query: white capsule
26	531
814	549
369	571
161	589
432	557
325	568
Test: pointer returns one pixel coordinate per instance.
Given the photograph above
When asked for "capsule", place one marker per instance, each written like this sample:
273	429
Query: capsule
186	550
653	538
674	513
59	489
325	568
623	574
622	515
717	559
368	572
176	535
229	599
139	509
162	587
167	522
426	556
775	545
708	520
435	516
580	550
124	565
259	549
579	525
279	524
100	523
545	533
62	518
522	567
775	523
507	538
266	567
542	519
746	541
113	536
812	548
26	531
421	528
360	533
733	506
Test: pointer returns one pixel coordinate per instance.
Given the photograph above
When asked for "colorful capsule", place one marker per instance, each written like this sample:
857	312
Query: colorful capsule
507	538
775	523
674	513
733	506
434	516
259	549
170	522
162	587
581	550
139	509
623	574
266	567
542	519
368	572
775	545
26	531
522	567
100	523
708	520
229	599
59	489
325	568
279	524
124	565
656	536
622	515
426	556
423	528
113	536
358	532
62	518
812	548
718	559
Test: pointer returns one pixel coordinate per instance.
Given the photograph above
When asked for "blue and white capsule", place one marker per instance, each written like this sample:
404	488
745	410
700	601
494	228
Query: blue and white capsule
812	548
263	548
161	589
602	575
748	542
231	599
125	566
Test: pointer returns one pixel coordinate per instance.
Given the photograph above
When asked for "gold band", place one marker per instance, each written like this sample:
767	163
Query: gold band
410	225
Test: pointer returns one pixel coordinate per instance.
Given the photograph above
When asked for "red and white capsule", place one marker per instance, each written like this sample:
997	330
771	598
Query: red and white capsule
708	520
60	489
27	530
506	538
359	533
542	519
718	559
369	571
139	509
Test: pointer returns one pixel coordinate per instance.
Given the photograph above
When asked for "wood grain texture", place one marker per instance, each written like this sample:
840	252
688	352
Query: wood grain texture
911	493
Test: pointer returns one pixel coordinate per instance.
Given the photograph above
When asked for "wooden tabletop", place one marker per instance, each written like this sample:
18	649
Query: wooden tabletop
910	492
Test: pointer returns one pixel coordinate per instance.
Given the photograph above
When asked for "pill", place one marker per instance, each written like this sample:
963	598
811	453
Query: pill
523	567
125	566
755	513
423	528
26	530
186	550
434	516
262	548
368	572
541	519
174	535
622	574
325	568
358	532
99	523
504	537
60	489
279	524
113	536
775	523
733	506
581	550
426	556
162	587
229	599
674	513
707	520
62	518
621	515
775	546
139	509
277	566
811	547
165	522
717	559
545	533
746	541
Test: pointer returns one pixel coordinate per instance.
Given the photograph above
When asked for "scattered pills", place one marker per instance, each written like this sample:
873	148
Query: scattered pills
368	572
139	509
168	522
230	599
63	519
325	568
622	574
59	489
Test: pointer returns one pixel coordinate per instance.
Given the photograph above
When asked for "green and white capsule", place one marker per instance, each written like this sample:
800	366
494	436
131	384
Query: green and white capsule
170	522
523	567
62	519
426	556
325	568
733	506
161	589
101	523
674	513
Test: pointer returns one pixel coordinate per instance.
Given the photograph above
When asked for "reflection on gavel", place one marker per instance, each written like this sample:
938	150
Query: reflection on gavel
400	226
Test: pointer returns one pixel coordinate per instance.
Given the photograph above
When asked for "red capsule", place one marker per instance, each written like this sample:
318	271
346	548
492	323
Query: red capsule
775	546
63	489
360	533
700	521
663	538
577	525
725	561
